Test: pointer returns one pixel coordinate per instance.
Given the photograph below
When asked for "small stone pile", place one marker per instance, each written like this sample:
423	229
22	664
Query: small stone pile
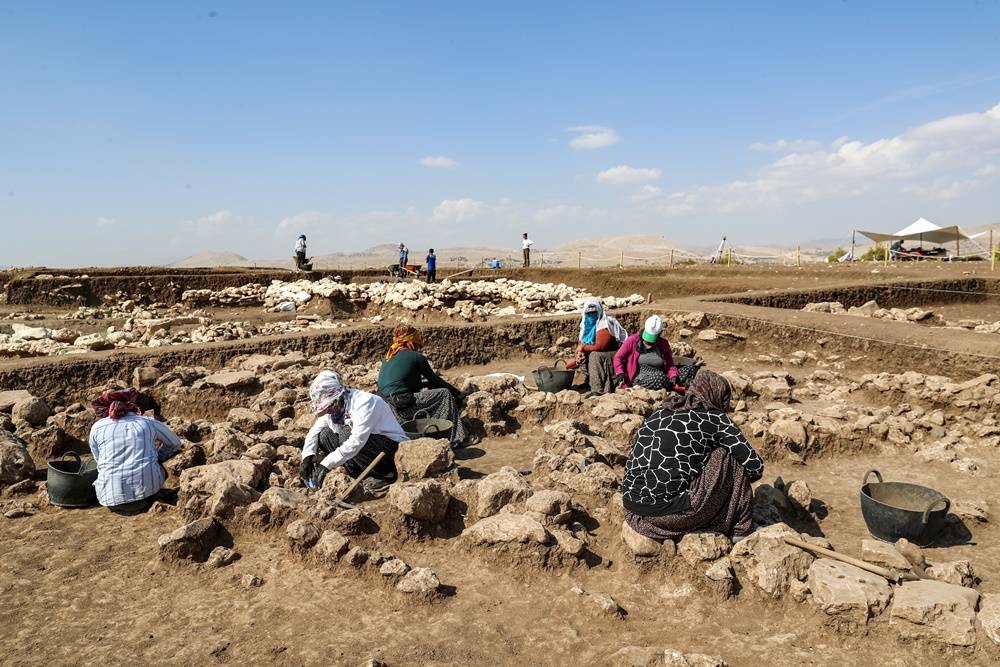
468	299
871	309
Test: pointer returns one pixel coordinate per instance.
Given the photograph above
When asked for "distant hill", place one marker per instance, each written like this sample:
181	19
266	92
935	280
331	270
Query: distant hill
212	259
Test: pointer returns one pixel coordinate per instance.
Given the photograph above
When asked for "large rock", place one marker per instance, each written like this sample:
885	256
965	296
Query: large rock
649	656
302	535
554	506
193	541
232	380
989	616
936	612
883	554
217	489
331	546
498	489
249	421
638	544
424	457
958	572
506	528
8	399
841	589
765	561
15	462
424	501
420	581
33	411
701	547
282	503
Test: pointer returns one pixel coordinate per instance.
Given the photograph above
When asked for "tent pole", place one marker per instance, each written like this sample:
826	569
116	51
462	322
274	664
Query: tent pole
993	253
854	234
958	242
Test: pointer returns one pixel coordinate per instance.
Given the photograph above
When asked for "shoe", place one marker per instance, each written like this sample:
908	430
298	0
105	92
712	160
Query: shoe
470	439
375	486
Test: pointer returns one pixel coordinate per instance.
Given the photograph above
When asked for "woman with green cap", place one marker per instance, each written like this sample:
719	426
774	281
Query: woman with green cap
645	359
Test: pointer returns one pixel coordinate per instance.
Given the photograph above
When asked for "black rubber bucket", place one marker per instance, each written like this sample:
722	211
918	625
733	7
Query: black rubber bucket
71	483
552	379
424	427
898	509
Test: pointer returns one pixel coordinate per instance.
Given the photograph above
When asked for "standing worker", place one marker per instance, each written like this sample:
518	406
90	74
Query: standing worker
404	258
432	266
526	244
300	251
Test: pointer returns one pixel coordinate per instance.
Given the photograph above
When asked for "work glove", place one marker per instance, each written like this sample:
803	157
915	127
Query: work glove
319	475
679	388
306	469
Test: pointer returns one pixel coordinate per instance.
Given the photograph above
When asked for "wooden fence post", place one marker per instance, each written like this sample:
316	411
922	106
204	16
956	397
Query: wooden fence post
671	258
579	260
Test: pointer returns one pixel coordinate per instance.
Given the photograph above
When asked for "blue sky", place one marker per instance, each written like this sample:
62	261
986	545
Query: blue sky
146	132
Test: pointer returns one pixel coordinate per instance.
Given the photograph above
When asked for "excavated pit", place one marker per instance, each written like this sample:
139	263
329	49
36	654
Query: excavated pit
514	604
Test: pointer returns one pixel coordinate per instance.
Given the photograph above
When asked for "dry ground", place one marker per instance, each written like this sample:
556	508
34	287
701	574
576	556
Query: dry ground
87	587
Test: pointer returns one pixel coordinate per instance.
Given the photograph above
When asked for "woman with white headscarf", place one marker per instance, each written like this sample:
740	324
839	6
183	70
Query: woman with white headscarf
352	427
600	337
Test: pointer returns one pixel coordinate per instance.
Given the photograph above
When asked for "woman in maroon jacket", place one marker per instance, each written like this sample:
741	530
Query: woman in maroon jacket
645	359
600	336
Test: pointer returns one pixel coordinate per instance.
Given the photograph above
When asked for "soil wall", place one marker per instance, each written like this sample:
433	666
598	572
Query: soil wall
164	287
893	295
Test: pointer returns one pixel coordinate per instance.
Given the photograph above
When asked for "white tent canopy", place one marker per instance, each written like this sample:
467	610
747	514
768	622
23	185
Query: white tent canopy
921	230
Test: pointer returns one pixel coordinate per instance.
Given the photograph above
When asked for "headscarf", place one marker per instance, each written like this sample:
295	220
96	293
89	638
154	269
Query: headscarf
404	337
589	328
707	391
116	403
325	391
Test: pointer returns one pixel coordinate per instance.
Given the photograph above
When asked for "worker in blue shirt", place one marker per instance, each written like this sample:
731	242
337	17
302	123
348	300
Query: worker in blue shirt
431	266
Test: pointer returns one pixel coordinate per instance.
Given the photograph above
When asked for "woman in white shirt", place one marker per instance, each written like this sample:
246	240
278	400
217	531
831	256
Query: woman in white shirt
352	427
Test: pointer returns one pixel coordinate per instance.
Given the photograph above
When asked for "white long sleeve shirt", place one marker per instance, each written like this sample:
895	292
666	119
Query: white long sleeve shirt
128	461
367	414
300	245
527	243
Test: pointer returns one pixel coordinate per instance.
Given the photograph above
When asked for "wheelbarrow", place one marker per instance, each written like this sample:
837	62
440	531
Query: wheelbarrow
899	509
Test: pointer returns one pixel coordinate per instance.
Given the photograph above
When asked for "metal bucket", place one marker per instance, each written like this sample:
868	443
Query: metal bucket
71	483
898	509
552	379
425	427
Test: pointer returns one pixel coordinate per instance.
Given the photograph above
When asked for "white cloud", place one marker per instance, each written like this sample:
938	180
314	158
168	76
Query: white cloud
438	162
106	222
626	175
783	146
933	160
942	190
988	170
215	219
457	210
300	221
590	137
647	192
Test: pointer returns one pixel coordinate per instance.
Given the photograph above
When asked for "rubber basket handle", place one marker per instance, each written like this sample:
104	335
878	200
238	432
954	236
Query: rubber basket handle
432	428
930	508
79	461
421	411
559	361
877	474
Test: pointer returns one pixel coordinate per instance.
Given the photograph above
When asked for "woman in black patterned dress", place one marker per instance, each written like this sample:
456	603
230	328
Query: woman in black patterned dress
691	467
